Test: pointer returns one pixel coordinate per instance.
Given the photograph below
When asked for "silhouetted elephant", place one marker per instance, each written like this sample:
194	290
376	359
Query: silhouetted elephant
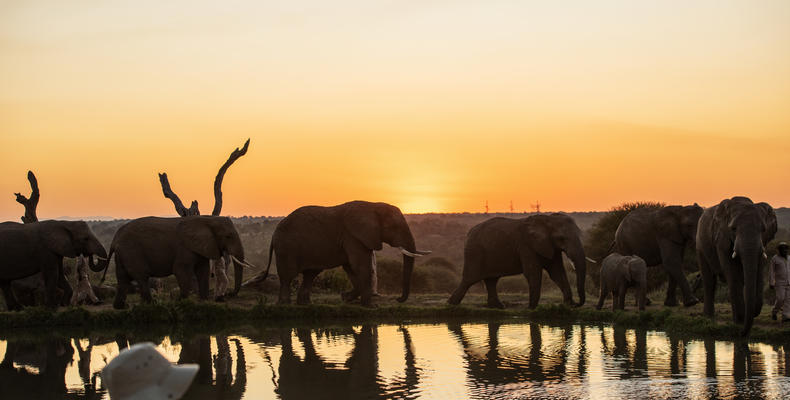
659	236
159	247
618	273
502	246
27	249
312	239
216	383
50	357
731	243
315	378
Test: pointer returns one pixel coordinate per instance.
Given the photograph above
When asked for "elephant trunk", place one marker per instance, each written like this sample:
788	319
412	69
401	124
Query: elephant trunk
576	255
408	268
750	254
103	259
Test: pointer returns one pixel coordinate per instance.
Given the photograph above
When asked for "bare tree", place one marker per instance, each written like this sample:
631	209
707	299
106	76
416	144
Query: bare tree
30	203
193	208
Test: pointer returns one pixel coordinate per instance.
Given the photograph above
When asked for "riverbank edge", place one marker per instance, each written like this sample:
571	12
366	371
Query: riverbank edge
207	314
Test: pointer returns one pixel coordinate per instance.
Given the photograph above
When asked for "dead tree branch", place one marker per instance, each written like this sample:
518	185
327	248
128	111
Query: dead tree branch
32	202
168	192
235	155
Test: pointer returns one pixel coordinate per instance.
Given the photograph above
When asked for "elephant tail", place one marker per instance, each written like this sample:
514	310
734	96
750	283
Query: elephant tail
262	277
107	265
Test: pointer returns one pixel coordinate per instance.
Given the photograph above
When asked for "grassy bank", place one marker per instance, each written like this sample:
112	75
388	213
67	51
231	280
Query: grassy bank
206	316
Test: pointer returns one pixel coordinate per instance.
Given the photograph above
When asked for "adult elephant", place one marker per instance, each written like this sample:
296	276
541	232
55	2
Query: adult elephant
502	246
731	243
660	236
27	249
159	247
314	238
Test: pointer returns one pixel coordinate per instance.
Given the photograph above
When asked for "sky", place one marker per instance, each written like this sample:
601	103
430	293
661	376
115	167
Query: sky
434	106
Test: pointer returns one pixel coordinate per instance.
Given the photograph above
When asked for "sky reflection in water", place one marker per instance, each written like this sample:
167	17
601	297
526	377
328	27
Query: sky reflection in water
447	360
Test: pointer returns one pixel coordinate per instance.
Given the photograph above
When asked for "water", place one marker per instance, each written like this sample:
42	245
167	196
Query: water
512	359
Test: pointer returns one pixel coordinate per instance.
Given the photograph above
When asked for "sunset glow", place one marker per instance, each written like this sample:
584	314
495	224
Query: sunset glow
432	106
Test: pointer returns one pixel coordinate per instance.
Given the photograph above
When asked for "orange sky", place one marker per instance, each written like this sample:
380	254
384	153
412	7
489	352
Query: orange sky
429	105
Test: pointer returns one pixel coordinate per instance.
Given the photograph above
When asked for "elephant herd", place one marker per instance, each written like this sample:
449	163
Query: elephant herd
730	240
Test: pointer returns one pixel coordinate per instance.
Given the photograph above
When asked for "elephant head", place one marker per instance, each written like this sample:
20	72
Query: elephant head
741	230
213	237
71	239
375	223
635	270
679	223
550	234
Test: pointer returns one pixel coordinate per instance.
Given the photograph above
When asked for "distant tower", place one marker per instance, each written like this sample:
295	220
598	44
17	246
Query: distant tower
486	206
536	207
511	206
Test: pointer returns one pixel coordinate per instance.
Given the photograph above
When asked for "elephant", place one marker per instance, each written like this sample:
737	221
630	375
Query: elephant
158	247
314	238
504	246
731	243
27	249
35	369
618	273
659	236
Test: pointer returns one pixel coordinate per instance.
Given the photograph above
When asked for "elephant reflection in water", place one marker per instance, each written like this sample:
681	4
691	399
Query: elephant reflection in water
633	366
50	358
205	385
496	369
313	377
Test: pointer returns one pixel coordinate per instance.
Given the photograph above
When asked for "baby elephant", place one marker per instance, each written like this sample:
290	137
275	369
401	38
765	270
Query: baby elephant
618	273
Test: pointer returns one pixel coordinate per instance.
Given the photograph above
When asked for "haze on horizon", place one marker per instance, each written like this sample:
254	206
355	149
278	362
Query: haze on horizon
429	105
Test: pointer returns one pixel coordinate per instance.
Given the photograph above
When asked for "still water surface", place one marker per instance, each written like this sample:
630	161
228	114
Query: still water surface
439	361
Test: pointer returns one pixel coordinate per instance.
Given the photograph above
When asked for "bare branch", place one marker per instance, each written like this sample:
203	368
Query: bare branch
168	192
32	202
235	155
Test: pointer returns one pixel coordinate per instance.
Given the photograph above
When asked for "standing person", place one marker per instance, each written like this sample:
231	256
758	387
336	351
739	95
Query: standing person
779	279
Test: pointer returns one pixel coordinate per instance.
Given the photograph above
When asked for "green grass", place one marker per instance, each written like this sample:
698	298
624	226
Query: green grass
187	315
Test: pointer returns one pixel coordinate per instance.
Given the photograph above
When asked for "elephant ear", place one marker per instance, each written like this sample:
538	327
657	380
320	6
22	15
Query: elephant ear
363	224
721	218
58	239
537	235
769	218
668	224
197	236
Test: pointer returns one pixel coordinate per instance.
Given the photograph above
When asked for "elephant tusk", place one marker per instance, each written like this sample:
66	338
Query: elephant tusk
591	260
417	253
734	254
765	256
248	265
101	258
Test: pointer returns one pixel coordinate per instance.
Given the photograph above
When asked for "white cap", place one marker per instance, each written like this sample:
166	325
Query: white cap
141	372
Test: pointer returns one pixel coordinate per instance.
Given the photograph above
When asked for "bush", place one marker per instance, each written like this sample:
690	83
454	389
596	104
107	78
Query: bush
599	239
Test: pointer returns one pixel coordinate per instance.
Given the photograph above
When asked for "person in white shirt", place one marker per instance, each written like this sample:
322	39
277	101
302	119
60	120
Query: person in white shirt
779	279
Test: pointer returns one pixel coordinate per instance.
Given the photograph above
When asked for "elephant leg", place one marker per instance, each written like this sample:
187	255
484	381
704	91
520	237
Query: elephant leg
352	294
672	298
145	291
621	296
534	280
460	291
185	276
493	298
10	300
51	286
202	270
603	294
672	261
709	282
63	284
124	283
557	274
303	296
735	285
361	264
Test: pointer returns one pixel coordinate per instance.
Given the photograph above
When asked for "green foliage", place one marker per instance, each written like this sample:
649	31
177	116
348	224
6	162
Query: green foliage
599	239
